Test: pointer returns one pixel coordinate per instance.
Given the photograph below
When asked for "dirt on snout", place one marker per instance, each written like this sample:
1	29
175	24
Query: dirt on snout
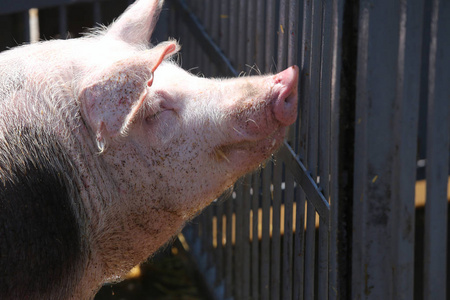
169	275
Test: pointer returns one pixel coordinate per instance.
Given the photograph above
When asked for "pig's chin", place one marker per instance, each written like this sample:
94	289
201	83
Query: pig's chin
247	155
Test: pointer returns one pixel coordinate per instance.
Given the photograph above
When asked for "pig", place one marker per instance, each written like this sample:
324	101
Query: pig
108	148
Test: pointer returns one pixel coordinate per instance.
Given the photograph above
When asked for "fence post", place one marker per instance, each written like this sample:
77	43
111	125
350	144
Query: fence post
437	166
385	131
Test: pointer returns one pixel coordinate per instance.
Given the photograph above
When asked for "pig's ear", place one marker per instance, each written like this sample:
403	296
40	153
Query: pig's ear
162	51
136	24
111	98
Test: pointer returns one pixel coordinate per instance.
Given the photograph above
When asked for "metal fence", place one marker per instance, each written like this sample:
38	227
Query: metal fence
373	130
275	236
341	211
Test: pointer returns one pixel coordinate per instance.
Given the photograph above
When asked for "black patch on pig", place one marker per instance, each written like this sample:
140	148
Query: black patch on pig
41	245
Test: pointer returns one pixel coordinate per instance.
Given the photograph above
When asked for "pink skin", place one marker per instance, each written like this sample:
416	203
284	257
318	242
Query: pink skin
174	145
154	144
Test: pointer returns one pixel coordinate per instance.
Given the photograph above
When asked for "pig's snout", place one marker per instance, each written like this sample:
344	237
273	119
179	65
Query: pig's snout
285	87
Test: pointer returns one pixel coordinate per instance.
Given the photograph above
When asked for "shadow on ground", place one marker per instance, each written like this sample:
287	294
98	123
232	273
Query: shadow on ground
169	275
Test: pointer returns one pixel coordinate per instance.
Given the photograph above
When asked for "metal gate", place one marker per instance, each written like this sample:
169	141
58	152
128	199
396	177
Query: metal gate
275	236
355	203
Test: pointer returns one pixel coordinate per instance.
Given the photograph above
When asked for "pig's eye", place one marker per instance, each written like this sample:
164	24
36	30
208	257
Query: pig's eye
152	118
158	108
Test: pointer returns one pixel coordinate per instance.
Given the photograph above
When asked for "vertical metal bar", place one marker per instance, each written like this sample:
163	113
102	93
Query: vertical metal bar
215	18
191	50
203	227
425	66
305	79
246	238
310	252
199	57
406	130
193	6
232	46
283	33
322	290
301	275
175	27
241	37
63	29
229	249
324	143
372	273
199	9
194	237
267	175
224	25
286	278
336	27
219	249
26	26
186	47
197	62
255	237
208	225
207	24
437	169
278	166
287	291
265	241
260	34
299	245
238	247
325	98
275	255
207	15
293	31
271	29
314	96
251	34
97	13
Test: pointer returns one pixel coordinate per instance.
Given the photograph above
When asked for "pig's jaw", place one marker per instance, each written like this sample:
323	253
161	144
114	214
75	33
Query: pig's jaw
245	156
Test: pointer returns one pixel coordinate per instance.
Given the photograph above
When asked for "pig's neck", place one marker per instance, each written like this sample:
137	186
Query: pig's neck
125	229
94	184
95	191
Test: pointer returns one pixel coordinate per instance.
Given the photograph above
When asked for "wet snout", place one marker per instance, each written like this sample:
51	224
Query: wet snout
285	88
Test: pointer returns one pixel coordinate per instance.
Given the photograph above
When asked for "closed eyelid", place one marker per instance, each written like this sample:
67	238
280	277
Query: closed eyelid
163	94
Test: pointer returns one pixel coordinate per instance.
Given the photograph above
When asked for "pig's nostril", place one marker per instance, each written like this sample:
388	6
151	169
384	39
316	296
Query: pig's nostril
285	108
285	104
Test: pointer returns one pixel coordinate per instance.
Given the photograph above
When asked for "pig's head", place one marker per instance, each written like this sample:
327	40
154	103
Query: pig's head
170	141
